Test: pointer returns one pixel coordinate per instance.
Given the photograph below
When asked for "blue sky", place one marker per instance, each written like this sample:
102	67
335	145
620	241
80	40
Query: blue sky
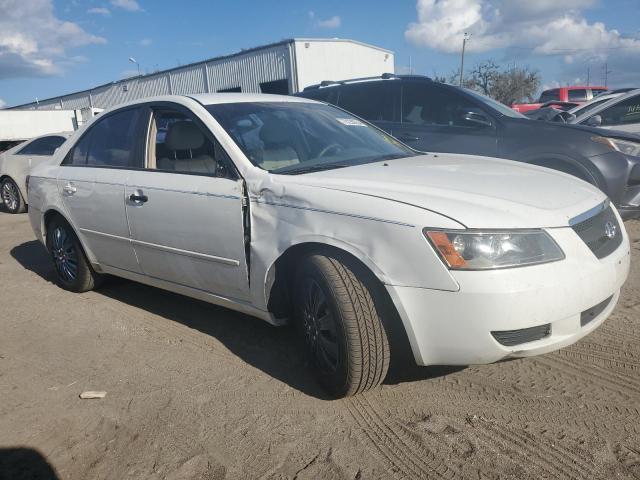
78	44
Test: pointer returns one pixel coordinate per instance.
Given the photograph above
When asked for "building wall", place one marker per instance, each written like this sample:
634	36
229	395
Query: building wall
339	60
245	70
311	62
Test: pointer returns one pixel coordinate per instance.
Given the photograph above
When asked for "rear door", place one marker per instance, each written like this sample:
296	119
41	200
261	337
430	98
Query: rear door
92	182
433	120
185	208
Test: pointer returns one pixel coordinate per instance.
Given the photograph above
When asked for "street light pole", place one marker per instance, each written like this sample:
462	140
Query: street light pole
133	60
464	44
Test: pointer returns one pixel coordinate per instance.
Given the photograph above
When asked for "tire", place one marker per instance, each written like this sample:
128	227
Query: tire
73	271
11	197
337	319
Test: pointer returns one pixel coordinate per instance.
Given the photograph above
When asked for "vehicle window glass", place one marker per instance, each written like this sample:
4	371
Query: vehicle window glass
180	145
42	146
587	107
549	96
578	95
77	156
373	101
627	111
113	141
328	94
495	105
428	105
298	137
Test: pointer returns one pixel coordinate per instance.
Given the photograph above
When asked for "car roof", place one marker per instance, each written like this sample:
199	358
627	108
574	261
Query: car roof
217	98
380	78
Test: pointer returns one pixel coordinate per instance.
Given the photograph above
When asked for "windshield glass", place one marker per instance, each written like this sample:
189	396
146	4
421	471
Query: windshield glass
296	137
586	107
500	107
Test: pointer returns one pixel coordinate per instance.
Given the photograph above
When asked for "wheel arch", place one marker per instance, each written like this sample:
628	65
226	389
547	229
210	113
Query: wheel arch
279	278
52	213
571	167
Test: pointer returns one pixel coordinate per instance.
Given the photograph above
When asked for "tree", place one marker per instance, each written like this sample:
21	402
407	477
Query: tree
508	86
482	76
515	85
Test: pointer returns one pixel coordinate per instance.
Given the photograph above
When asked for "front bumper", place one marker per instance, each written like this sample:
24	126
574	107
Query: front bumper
454	328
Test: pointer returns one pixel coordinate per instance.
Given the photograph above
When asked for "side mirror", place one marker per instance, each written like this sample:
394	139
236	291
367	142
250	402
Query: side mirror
594	121
479	119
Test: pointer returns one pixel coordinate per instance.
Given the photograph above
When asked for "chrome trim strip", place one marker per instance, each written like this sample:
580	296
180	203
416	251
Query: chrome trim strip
592	212
362	217
176	251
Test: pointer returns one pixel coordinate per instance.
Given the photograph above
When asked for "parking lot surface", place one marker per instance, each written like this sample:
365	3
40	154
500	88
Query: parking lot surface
197	391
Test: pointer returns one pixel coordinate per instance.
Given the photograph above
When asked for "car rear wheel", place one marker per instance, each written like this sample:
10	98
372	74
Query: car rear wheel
341	329
11	197
73	271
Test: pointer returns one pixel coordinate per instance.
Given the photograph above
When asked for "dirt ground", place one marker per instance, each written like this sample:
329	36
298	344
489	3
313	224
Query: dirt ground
199	392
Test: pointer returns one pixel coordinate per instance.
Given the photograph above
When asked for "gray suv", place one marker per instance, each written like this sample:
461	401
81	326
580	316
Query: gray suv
435	117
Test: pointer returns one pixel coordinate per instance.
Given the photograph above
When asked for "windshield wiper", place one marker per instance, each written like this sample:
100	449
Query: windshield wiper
313	168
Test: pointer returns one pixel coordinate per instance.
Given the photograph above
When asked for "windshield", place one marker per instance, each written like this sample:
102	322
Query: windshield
297	137
500	107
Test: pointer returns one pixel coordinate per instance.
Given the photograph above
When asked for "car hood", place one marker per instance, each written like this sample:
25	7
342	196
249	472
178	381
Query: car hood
478	192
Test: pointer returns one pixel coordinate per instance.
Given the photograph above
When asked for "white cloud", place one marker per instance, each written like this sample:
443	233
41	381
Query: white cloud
145	42
34	42
540	27
99	11
2	103
333	22
130	5
545	27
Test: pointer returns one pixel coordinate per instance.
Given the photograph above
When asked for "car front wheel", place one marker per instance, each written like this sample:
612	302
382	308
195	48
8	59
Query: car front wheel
342	332
11	197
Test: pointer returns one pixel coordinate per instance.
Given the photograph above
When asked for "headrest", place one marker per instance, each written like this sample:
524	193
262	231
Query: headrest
183	135
276	132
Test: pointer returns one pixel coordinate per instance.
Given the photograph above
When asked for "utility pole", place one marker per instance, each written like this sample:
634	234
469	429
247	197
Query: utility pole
606	74
464	44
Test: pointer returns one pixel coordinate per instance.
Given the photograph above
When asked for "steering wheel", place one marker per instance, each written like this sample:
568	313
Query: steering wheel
328	148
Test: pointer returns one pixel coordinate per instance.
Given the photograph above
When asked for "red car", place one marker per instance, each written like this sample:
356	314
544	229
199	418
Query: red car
574	94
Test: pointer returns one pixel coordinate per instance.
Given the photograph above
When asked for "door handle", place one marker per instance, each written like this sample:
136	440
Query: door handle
138	197
69	189
408	138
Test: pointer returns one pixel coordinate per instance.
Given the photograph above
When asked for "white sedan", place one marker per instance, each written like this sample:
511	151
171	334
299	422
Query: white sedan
286	208
16	163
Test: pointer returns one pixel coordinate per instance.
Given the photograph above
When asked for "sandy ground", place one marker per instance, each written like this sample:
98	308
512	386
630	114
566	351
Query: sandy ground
197	391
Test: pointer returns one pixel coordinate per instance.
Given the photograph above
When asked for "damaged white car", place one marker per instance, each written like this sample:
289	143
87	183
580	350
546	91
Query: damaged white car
286	208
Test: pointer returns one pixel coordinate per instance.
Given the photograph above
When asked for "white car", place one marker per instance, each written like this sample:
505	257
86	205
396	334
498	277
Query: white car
16	163
619	112
286	208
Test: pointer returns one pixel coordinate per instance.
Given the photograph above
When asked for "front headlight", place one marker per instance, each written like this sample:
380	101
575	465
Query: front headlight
623	146
485	250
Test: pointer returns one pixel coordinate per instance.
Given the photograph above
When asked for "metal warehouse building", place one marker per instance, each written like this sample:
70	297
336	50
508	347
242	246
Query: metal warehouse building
284	67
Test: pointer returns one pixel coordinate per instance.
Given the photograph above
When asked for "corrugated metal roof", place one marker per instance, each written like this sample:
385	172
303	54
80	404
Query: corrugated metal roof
246	69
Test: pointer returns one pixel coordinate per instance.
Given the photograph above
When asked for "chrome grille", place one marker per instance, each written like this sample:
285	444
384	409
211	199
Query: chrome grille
594	232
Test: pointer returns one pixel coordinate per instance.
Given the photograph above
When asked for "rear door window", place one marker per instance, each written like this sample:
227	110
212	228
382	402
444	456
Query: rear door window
550	96
578	95
45	146
111	142
373	101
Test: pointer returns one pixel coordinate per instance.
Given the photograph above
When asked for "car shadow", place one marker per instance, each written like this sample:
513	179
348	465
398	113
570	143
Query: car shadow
21	463
272	350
